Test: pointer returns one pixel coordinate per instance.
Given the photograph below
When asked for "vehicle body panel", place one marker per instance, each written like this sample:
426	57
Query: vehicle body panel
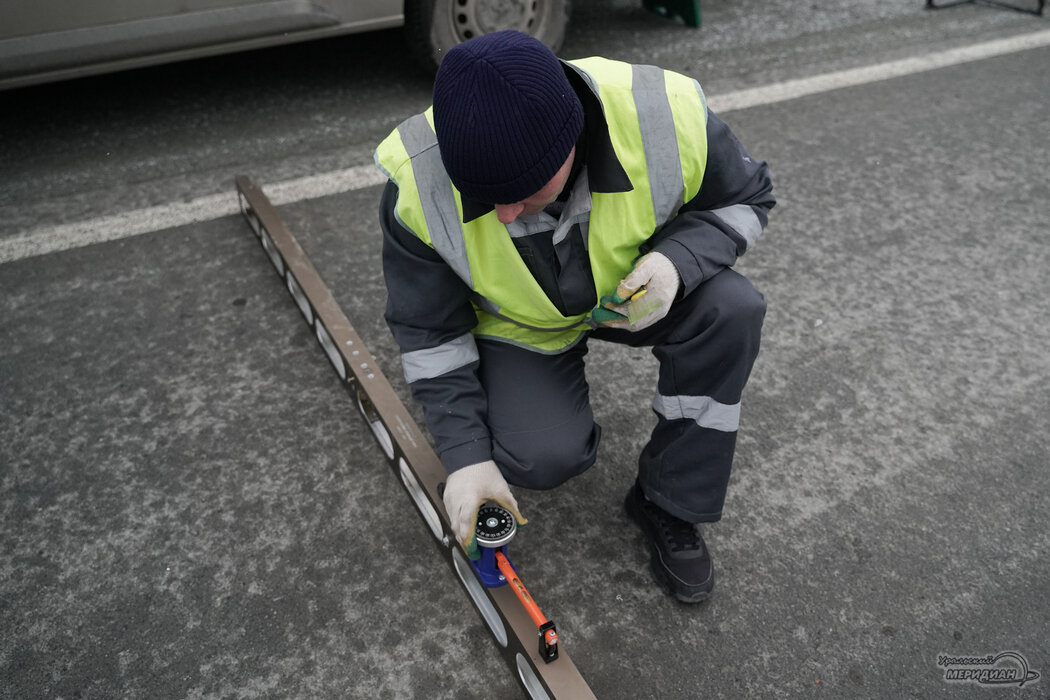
51	40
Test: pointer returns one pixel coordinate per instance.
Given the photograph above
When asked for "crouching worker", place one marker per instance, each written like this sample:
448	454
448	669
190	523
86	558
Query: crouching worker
540	205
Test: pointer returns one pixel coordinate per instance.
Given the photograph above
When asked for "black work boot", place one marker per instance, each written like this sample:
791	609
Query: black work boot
680	560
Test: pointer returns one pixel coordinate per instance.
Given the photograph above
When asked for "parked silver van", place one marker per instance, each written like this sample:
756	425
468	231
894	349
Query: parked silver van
47	40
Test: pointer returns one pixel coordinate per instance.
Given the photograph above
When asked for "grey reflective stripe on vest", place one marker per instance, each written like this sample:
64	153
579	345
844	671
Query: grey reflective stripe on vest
700	91
705	411
491	307
659	140
435	195
433	362
742	219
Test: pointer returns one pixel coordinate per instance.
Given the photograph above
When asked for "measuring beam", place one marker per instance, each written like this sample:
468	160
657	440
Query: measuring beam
413	459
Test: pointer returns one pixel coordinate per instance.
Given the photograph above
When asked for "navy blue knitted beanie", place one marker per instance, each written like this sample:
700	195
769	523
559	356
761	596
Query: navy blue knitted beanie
506	116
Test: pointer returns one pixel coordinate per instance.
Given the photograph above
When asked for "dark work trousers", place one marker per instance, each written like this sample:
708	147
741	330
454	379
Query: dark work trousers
543	429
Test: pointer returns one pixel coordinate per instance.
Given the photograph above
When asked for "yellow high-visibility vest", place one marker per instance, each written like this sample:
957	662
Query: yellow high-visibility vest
658	128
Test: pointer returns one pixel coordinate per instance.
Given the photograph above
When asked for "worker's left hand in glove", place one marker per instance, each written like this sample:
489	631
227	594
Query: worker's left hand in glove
643	297
468	489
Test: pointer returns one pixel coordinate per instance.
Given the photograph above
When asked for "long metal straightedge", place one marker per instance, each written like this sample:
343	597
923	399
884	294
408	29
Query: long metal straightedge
411	456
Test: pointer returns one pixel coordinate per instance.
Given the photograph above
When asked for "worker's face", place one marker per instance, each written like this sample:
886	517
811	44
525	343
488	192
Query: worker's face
507	213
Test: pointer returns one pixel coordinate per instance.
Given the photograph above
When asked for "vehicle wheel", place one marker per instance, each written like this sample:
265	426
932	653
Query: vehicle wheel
432	27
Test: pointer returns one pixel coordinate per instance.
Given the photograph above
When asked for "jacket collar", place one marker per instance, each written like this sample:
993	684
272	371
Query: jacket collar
604	171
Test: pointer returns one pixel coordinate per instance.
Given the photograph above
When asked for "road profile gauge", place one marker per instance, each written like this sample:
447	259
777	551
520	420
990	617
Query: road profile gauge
495	527
527	640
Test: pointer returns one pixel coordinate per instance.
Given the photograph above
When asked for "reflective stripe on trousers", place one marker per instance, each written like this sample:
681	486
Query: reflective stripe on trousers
433	362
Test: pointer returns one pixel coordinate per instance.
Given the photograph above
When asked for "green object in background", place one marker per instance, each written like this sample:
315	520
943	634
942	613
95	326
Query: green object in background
688	10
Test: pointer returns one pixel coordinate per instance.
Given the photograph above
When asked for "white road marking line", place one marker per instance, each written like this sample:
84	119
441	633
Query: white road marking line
214	206
791	89
52	239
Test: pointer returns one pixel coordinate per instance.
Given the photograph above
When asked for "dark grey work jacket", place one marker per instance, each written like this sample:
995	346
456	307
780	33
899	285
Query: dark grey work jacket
429	305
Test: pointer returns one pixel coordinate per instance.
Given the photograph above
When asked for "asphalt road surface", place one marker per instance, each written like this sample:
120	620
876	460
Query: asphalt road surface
191	507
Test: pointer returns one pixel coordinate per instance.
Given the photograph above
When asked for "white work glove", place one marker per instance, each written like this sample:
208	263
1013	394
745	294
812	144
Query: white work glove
643	297
468	489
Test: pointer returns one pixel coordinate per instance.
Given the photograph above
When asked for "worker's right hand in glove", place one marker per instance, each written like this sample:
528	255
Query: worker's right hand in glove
469	488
